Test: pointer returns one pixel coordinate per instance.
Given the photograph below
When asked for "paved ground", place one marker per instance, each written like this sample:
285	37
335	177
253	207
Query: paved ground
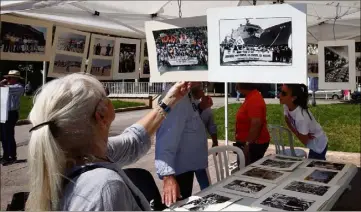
14	177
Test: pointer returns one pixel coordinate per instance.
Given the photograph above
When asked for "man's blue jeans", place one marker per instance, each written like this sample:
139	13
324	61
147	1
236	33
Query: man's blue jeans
8	135
202	178
238	95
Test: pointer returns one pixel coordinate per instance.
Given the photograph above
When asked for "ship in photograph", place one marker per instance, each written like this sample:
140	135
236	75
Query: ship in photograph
326	165
182	49
255	42
321	176
287	203
66	64
336	64
244	186
263	174
205	203
21	38
307	188
71	42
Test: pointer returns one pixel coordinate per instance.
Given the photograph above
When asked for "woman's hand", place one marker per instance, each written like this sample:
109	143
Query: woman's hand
176	93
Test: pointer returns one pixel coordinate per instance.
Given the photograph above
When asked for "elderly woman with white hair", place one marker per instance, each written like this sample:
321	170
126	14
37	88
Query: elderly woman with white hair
71	119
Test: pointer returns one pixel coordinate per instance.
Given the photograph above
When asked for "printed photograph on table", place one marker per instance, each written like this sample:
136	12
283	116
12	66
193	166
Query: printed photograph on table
318	190
326	165
178	49
103	47
278	201
255	41
276	164
322	176
65	64
24	39
101	67
337	64
267	175
286	158
245	187
209	201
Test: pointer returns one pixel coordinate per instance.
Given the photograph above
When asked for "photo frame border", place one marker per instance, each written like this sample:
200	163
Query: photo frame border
297	73
173	76
142	59
315	207
234	199
276	181
33	22
133	75
333	181
351	85
92	56
58	31
293	167
269	187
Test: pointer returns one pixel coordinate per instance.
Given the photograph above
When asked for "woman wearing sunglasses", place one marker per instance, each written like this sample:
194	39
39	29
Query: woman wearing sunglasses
301	122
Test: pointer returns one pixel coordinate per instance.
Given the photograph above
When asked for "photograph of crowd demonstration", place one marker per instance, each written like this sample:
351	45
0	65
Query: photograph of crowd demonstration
101	67
66	64
182	49
287	203
71	42
21	38
336	64
255	42
103	47
127	54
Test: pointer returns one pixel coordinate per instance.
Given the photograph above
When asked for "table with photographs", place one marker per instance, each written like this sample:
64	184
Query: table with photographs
303	176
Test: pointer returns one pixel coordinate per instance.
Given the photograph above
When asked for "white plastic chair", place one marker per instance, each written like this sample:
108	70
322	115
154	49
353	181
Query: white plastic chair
221	166
277	133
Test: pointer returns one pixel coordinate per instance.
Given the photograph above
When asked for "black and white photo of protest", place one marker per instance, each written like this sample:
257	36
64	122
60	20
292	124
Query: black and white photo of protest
307	188
336	64
205	203
182	49
263	174
103	47
67	64
21	38
287	203
71	42
287	158
101	67
321	176
326	165
255	42
244	186
127	55
277	163
146	68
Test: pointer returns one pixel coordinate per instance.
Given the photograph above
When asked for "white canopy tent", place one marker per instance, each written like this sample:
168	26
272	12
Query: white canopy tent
327	20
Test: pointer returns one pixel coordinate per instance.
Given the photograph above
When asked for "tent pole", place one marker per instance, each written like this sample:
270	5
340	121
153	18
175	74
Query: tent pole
226	112
44	72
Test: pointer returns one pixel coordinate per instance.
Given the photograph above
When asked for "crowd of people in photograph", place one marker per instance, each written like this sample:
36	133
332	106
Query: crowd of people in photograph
126	60
108	49
333	60
71	45
20	44
182	44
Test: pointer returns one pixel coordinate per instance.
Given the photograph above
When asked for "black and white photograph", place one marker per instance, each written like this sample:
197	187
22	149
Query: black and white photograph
263	174
212	201
146	69
256	42
71	42
182	49
336	64
277	201
279	157
145	53
103	47
326	165
127	53
101	67
307	188
244	186
277	163
321	176
67	64
22	39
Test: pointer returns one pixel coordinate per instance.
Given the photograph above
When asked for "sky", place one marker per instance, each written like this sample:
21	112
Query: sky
226	26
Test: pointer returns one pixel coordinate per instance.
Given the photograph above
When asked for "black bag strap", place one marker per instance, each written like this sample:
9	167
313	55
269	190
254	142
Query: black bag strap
89	167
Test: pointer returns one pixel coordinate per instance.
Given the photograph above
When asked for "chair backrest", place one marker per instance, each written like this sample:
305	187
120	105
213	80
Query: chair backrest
277	136
221	166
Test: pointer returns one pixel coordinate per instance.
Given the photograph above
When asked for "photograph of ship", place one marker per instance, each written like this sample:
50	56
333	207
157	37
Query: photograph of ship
182	49
20	38
71	42
103	47
127	58
101	67
255	42
336	64
66	64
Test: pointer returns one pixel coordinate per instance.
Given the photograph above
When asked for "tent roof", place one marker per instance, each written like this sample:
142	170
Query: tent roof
127	17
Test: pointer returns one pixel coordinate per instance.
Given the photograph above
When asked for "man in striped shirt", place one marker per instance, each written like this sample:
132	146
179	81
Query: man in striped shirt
16	90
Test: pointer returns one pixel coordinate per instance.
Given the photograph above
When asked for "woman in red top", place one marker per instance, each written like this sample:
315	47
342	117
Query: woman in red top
252	135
